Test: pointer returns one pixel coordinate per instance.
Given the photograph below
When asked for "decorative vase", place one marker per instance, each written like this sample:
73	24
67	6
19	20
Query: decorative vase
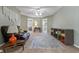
12	39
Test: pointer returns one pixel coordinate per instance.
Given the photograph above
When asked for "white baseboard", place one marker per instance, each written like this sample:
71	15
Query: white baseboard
76	45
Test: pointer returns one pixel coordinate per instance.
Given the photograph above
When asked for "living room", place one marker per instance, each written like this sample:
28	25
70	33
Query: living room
58	17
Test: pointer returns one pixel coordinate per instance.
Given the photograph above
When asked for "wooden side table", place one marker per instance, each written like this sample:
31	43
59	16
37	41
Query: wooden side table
7	46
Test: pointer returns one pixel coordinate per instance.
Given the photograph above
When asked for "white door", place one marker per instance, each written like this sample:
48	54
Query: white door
44	25
29	24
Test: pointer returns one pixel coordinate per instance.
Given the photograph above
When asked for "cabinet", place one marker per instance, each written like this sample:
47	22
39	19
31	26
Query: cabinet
66	36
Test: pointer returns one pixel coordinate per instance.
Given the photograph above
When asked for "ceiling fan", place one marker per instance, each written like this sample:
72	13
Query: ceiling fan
37	12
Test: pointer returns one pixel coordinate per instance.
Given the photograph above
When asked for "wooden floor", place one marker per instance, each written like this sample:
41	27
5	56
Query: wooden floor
67	49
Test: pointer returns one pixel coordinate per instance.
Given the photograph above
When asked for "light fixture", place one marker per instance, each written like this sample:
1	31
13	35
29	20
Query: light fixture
38	12
11	30
36	24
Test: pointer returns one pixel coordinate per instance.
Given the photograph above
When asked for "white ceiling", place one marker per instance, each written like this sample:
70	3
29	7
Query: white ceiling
31	11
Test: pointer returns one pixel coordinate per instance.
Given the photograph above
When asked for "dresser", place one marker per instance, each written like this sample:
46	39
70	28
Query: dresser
66	36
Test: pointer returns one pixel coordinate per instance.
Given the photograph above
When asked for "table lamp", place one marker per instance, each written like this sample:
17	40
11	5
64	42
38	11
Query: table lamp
12	29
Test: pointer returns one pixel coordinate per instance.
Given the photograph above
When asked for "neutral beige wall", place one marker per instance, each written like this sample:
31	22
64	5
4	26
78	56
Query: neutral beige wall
4	20
0	10
13	8
64	18
49	23
39	21
23	25
24	22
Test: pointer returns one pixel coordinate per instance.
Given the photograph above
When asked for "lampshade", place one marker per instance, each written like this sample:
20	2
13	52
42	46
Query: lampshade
12	29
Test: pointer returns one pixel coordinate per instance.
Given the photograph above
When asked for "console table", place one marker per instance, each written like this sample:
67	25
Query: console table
66	36
37	29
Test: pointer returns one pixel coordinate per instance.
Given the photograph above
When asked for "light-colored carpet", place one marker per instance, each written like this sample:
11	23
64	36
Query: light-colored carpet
43	40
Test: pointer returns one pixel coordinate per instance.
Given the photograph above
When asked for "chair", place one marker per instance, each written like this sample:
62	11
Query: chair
4	33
